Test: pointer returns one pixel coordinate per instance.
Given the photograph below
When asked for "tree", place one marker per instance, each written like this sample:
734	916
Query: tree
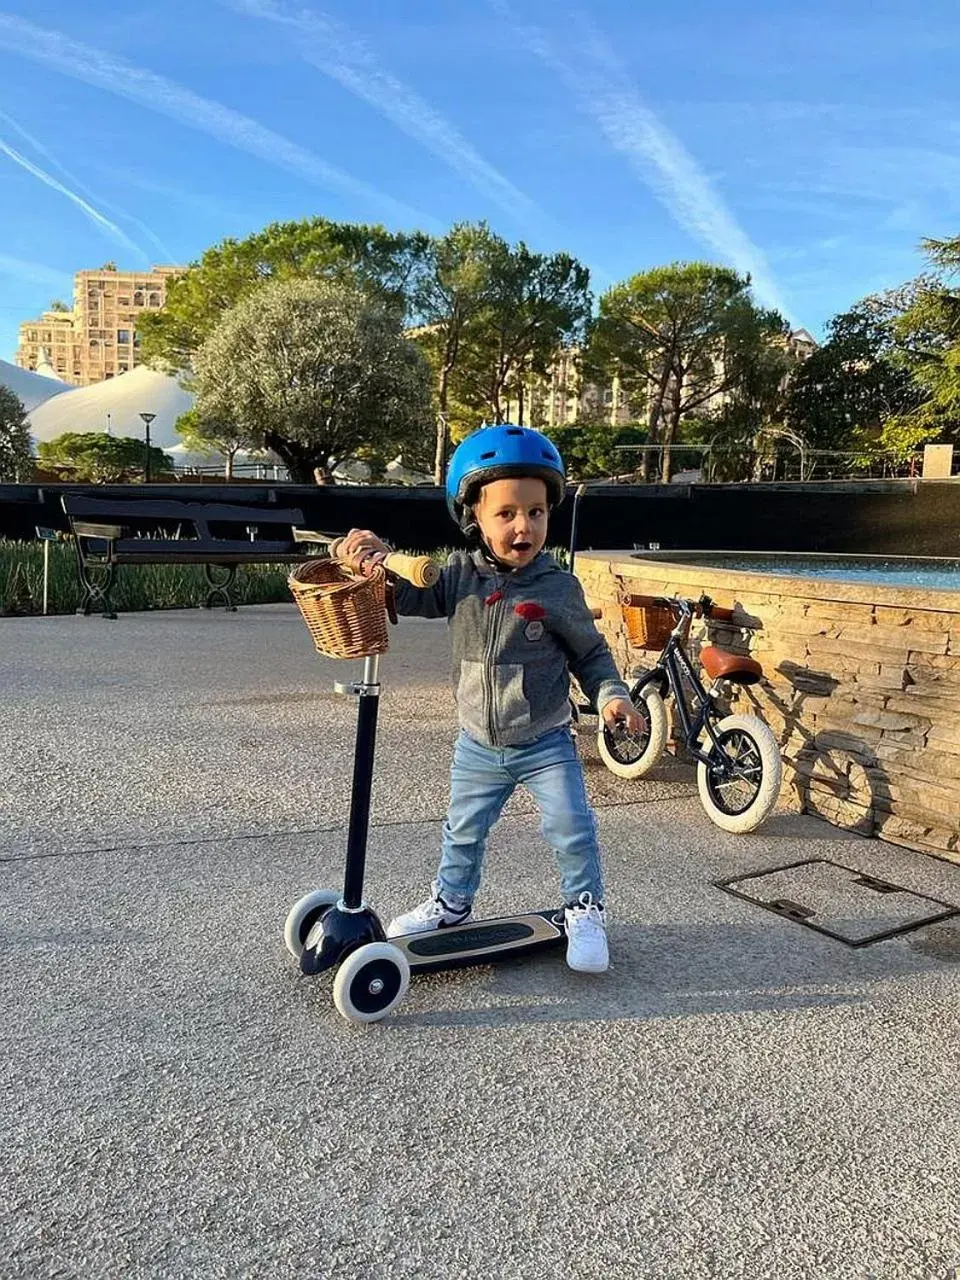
213	435
589	446
739	430
59	306
858	380
537	304
492	317
369	256
16	459
315	370
451	290
680	338
928	333
102	459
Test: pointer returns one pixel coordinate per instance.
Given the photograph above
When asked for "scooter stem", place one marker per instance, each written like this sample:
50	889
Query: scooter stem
369	701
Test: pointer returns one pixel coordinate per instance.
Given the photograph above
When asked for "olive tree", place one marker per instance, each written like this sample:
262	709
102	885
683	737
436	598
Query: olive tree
317	371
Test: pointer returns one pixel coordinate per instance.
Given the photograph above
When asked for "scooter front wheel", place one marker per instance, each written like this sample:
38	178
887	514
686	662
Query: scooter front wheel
303	915
631	755
740	786
371	982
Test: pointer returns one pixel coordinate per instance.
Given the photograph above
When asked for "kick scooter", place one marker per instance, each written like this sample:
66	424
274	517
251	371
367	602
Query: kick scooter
335	931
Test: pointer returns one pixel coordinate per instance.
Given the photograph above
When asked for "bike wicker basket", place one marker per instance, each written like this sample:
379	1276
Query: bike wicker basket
344	612
648	623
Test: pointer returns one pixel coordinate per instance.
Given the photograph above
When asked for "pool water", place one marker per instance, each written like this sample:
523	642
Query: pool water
896	571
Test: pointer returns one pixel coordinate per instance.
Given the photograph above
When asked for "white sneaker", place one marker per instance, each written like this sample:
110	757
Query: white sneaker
432	914
586	927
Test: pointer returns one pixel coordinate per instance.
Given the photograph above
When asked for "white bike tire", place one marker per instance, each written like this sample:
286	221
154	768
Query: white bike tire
765	799
652	752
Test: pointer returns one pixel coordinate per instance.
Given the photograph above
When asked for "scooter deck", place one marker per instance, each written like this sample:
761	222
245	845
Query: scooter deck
481	941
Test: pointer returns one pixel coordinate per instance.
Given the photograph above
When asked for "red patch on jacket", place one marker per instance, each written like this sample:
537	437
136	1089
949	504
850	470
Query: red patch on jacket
529	611
494	597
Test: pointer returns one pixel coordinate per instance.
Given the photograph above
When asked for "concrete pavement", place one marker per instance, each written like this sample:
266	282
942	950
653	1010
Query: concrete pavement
737	1097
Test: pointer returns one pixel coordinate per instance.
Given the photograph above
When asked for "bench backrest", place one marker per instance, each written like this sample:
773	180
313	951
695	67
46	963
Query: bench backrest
141	525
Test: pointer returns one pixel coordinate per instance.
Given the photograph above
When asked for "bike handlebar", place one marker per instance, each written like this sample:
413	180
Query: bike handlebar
702	608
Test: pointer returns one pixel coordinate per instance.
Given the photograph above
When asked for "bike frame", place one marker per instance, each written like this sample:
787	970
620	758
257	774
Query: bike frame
668	673
672	665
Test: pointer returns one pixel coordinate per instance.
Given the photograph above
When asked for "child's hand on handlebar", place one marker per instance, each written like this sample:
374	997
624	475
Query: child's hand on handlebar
361	550
622	711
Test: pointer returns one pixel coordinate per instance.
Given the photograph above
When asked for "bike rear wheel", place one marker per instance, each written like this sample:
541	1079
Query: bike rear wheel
631	755
740	786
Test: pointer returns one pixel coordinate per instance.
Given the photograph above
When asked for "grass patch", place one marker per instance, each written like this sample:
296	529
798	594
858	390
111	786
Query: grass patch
137	587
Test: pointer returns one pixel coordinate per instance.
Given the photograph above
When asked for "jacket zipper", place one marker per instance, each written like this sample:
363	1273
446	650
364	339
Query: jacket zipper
488	673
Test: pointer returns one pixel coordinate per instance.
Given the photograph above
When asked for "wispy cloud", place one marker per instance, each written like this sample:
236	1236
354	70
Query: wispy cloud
41	150
96	217
333	49
33	272
599	82
92	66
170	193
79	186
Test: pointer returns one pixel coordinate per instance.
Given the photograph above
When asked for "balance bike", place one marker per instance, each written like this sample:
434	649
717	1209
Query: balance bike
330	931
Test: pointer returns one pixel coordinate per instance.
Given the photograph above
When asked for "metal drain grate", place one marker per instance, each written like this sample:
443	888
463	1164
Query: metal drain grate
842	902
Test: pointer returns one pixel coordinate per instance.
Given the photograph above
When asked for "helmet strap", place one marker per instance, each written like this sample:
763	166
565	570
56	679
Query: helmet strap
470	528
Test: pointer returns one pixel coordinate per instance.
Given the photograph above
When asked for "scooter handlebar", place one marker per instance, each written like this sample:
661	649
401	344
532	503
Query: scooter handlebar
421	571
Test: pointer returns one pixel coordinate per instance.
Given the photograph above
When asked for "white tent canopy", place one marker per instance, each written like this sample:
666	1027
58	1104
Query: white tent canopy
31	388
123	398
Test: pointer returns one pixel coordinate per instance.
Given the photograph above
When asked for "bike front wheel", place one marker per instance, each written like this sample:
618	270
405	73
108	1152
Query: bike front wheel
631	755
740	785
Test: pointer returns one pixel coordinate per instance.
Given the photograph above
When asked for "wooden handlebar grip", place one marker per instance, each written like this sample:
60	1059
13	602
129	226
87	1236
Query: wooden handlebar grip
721	615
420	570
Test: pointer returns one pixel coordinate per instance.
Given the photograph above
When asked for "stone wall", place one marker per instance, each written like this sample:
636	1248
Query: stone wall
862	687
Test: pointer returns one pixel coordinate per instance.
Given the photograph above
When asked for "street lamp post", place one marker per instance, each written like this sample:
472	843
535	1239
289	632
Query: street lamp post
147	419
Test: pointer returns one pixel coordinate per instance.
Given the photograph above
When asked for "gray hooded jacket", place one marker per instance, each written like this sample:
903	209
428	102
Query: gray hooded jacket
516	638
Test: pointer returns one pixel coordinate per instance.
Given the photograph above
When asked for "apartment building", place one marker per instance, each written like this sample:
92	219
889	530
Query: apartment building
98	338
51	339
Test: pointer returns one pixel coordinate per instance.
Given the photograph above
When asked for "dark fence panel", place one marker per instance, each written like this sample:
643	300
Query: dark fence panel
893	517
908	517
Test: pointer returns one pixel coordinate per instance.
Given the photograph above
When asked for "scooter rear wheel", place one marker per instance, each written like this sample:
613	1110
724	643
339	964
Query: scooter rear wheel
371	982
303	915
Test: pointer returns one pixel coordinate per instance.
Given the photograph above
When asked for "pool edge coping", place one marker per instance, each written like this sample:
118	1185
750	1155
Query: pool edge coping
939	601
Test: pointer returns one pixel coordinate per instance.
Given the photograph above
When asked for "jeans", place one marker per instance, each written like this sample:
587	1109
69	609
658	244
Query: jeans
484	778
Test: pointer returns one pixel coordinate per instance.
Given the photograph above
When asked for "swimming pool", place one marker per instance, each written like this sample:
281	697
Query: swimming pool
926	573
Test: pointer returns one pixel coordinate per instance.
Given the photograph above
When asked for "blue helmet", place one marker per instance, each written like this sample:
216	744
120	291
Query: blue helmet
494	453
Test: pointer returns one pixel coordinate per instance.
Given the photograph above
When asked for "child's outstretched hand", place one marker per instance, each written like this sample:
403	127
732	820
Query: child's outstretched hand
623	711
361	549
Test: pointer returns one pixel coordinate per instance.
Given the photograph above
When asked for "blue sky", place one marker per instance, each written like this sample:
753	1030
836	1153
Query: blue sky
812	144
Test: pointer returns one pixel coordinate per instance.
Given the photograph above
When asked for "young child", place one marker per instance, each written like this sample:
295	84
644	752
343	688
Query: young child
520	625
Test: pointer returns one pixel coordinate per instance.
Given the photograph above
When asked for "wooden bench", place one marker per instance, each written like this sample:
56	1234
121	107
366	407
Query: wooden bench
219	537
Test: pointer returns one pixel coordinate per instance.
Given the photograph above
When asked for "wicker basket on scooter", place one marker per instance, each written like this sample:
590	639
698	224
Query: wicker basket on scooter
344	612
648	624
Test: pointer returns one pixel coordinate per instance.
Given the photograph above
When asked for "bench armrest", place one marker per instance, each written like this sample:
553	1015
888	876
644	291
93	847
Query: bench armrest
87	530
309	535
